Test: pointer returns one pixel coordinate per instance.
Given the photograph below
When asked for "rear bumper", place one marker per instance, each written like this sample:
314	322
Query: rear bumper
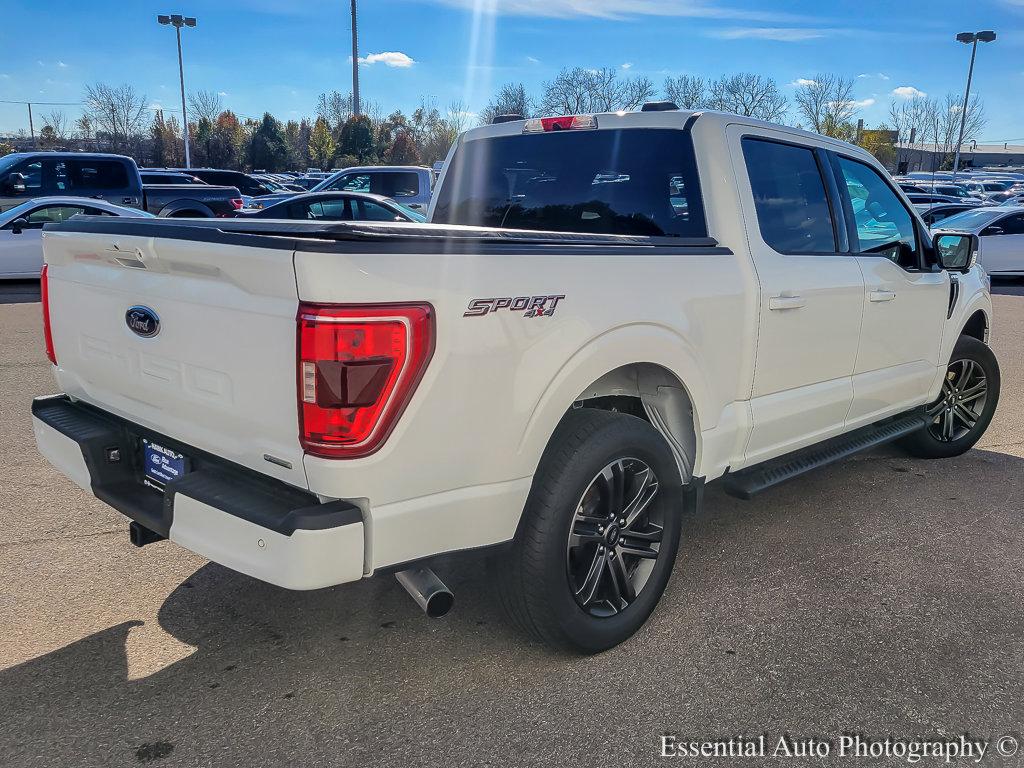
227	513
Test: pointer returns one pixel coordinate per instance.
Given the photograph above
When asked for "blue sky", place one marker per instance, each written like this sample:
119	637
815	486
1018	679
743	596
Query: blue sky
277	55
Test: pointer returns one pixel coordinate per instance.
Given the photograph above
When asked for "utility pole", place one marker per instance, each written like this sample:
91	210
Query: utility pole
31	128
355	62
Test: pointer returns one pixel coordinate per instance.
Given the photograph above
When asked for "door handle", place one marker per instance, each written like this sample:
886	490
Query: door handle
786	302
880	295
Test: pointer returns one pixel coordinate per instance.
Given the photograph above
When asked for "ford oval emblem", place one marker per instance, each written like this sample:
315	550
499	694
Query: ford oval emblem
142	321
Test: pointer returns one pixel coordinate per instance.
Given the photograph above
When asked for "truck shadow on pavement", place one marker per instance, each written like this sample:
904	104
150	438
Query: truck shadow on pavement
773	615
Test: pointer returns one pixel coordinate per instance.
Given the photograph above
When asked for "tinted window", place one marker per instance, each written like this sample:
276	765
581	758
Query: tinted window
789	194
1011	225
395	184
329	210
930	217
53	213
369	211
628	182
884	226
350	182
91	175
33	173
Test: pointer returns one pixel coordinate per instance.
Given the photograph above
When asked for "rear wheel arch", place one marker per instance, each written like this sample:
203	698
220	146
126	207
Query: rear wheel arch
186	209
655	394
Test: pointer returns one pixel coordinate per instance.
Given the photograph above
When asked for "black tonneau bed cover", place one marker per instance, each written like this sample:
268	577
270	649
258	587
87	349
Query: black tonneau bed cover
363	236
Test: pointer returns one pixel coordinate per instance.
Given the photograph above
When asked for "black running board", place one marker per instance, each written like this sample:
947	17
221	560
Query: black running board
747	482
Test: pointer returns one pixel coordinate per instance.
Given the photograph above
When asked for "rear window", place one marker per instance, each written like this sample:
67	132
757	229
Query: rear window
639	181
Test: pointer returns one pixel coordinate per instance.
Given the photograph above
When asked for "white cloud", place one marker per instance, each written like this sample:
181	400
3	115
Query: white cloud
533	60
864	103
62	65
801	81
907	92
627	65
879	75
617	9
222	93
388	59
779	34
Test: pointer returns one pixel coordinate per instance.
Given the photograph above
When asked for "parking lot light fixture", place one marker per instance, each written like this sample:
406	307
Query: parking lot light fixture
178	21
972	39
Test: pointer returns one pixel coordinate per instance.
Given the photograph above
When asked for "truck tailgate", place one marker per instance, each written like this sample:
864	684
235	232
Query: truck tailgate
219	374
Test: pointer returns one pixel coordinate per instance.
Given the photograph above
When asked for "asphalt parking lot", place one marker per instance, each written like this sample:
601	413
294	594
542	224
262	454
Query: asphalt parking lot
880	596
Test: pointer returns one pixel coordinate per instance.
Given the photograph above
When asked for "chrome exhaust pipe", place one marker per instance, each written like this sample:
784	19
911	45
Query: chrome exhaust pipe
427	590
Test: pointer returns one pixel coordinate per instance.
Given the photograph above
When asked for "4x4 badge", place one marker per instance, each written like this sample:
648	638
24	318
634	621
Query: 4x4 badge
530	306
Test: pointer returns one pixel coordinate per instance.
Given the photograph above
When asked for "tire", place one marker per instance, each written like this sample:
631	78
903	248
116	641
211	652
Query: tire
539	576
972	376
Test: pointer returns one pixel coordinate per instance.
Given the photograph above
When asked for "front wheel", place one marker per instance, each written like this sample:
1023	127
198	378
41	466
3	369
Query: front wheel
599	534
958	419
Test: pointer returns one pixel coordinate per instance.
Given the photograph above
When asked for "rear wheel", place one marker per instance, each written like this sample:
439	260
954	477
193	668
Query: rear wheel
599	534
970	392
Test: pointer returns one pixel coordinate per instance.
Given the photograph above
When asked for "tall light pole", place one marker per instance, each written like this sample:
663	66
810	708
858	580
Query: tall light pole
355	62
178	21
972	39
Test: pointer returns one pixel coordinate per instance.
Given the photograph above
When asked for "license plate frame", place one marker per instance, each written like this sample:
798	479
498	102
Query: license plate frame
161	465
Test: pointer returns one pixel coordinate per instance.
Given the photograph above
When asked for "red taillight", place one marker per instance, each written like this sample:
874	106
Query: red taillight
357	368
44	293
237	203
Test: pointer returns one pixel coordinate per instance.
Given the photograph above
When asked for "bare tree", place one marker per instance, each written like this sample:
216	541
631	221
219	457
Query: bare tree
511	99
84	127
686	91
579	91
748	94
942	126
205	104
826	103
118	112
59	124
458	117
335	108
908	118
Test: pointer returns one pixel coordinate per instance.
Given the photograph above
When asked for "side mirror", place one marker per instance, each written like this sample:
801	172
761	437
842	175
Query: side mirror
14	184
18	226
956	253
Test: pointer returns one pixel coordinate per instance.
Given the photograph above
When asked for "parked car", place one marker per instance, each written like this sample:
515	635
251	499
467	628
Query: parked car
690	303
987	188
243	182
21	229
113	178
408	185
908	187
1000	230
932	197
935	212
167	177
339	206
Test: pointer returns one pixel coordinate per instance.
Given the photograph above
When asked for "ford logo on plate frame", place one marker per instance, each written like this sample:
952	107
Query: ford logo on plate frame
142	321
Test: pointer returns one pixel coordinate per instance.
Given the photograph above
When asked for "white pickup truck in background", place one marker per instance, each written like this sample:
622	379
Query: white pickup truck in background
607	312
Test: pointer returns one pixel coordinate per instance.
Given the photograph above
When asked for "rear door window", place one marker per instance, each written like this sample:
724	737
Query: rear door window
634	181
395	184
793	213
100	175
350	182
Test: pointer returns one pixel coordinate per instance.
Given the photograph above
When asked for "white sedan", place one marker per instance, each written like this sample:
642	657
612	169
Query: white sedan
21	229
1000	230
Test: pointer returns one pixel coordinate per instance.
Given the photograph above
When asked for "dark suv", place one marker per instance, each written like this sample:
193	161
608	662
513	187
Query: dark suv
245	183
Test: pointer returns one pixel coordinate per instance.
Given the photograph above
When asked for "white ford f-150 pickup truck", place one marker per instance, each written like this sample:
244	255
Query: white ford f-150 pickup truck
606	312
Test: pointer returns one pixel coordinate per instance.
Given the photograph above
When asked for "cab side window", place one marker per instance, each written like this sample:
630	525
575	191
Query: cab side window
789	195
351	182
884	226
